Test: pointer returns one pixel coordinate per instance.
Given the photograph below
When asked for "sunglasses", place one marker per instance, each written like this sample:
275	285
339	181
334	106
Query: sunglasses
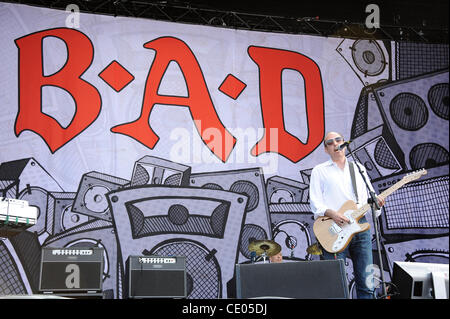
331	140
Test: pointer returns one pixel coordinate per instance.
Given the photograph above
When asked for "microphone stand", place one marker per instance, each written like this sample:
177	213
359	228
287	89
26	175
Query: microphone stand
374	203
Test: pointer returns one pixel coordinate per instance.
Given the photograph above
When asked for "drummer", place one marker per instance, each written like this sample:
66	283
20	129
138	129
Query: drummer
278	258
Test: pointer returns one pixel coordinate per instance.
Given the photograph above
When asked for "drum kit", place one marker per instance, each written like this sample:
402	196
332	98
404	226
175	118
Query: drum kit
269	248
264	248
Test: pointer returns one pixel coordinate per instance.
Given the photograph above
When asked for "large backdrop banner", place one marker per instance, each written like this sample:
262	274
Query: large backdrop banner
155	138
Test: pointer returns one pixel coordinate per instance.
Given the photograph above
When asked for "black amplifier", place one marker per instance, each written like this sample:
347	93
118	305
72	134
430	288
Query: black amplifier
155	277
316	279
71	270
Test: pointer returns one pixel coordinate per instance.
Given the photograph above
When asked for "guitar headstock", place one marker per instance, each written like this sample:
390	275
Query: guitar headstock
414	175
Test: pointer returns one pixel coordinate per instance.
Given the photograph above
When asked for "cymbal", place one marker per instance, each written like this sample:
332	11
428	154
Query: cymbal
260	247
314	249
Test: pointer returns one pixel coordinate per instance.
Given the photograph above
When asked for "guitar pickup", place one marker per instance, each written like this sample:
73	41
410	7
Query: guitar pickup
334	229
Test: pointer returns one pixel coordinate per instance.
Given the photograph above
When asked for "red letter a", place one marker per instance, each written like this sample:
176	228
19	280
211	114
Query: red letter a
199	102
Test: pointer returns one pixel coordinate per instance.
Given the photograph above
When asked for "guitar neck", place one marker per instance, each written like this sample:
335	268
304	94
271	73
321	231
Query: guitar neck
393	188
360	212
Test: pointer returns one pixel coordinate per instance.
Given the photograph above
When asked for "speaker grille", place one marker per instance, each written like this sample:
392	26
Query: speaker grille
384	157
419	205
428	155
202	269
140	176
419	58
11	282
157	283
178	219
368	57
250	233
249	189
438	99
409	111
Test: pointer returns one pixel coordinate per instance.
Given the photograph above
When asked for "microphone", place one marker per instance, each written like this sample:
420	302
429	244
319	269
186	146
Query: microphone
345	144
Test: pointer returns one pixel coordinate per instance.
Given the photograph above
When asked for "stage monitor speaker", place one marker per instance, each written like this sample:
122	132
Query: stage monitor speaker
156	277
71	270
415	280
318	279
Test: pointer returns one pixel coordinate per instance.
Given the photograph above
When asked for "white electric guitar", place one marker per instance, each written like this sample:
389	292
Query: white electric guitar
335	238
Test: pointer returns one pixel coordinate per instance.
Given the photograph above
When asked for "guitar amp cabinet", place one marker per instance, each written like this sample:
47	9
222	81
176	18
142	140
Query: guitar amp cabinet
155	277
71	270
317	279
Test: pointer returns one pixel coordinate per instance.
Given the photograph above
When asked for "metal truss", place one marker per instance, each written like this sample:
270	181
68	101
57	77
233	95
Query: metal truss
187	12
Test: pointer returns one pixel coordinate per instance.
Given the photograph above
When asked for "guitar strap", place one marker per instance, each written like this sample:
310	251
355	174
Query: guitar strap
352	174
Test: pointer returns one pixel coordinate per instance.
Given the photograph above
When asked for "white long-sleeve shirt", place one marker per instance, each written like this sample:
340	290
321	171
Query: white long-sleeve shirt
330	187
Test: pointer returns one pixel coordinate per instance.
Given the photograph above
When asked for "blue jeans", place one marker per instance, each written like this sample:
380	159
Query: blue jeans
360	252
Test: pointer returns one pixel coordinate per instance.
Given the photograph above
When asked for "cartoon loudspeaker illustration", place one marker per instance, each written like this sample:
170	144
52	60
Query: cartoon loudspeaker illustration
28	172
60	216
202	224
249	182
284	190
306	175
413	109
37	196
94	233
25	250
292	229
9	188
13	282
26	179
415	58
378	152
91	195
369	59
419	209
151	170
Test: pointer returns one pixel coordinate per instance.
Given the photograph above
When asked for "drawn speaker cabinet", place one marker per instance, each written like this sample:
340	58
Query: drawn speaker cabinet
38	197
378	152
419	209
284	190
71	270
95	233
28	172
416	112
201	224
91	195
369	59
9	188
249	182
14	281
306	175
33	184
292	229
60	216
367	114
151	170
415	58
156	277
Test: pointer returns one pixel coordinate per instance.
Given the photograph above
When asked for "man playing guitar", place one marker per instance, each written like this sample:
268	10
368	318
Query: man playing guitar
330	187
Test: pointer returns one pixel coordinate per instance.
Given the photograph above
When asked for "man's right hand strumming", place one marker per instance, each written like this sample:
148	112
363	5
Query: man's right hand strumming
338	218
